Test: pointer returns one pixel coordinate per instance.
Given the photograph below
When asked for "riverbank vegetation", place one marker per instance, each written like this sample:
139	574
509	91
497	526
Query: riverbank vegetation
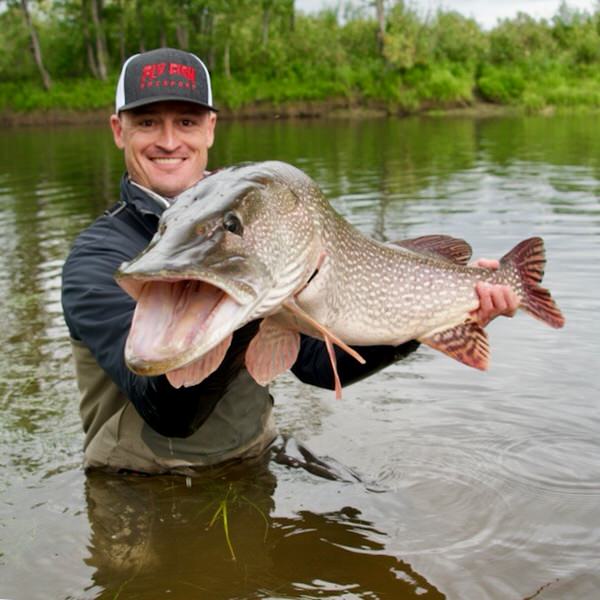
65	55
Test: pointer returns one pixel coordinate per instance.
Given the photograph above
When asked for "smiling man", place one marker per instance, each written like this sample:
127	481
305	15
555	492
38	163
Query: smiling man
165	124
165	144
164	121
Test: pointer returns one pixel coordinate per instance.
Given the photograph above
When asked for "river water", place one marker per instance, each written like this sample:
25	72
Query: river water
472	485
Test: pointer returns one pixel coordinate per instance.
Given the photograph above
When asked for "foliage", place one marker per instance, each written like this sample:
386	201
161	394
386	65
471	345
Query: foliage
521	39
406	43
266	52
457	39
501	84
70	94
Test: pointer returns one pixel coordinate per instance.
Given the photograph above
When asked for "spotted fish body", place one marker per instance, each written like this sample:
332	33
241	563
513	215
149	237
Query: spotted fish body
260	241
374	293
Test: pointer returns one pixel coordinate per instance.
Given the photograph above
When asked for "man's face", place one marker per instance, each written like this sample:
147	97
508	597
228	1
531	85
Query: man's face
166	144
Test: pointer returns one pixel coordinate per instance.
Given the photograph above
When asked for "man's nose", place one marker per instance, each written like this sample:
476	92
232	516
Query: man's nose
168	139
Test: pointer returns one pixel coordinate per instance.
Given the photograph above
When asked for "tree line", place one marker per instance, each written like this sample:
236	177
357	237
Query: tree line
67	53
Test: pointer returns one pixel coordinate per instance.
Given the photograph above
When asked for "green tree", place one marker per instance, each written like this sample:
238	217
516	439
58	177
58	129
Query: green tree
457	39
36	49
406	43
379	52
102	57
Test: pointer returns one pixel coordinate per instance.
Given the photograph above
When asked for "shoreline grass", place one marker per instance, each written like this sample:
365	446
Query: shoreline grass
437	91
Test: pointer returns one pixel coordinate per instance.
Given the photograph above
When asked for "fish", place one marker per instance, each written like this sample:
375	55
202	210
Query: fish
259	241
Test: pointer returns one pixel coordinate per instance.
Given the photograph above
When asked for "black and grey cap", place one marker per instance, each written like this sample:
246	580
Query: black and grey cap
163	74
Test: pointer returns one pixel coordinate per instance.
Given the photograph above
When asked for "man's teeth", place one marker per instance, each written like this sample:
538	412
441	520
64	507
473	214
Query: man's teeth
167	161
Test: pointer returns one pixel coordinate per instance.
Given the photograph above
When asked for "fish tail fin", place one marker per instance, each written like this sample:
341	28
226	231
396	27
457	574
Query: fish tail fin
528	259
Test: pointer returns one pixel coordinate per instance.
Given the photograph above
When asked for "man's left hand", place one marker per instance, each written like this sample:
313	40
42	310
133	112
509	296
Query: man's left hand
494	299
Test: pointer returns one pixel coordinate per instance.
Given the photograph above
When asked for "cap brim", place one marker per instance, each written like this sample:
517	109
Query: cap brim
165	98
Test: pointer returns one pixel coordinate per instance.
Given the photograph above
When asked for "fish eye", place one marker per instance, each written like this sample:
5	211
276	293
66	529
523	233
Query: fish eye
232	223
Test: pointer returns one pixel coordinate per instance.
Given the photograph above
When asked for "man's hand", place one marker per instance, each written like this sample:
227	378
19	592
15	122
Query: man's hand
494	299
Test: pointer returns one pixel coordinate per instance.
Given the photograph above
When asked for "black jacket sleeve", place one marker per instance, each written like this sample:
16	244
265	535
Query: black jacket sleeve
99	313
313	365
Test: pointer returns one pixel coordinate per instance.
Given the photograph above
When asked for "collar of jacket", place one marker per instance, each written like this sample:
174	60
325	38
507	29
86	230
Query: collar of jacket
144	201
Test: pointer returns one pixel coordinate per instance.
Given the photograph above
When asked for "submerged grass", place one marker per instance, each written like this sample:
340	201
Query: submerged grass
222	511
231	500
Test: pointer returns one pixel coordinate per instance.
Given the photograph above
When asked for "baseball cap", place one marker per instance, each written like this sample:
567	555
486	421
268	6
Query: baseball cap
163	74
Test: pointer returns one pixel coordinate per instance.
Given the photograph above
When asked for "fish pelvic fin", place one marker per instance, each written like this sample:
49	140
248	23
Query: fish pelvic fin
528	258
467	343
330	339
272	351
453	249
336	377
321	329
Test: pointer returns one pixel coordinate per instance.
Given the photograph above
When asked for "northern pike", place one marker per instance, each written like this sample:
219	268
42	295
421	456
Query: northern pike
260	241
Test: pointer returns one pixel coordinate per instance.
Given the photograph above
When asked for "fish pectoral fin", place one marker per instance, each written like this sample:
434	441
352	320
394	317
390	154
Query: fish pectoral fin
272	351
467	343
325	333
445	246
200	369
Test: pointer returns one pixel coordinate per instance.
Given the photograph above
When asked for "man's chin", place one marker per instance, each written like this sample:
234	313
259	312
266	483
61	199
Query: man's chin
169	186
167	181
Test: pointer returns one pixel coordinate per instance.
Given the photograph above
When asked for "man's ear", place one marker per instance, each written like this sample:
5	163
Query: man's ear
117	129
212	123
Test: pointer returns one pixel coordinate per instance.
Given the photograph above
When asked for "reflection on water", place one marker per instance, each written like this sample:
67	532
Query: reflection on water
229	524
472	485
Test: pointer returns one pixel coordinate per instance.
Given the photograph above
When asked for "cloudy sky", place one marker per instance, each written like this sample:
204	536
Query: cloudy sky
486	12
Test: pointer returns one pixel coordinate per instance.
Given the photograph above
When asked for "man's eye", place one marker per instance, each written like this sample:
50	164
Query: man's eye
146	122
187	122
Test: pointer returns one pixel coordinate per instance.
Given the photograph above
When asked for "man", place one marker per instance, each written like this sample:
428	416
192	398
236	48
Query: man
165	124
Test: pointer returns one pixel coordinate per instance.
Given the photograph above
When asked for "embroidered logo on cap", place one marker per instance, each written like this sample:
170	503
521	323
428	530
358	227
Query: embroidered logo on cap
168	75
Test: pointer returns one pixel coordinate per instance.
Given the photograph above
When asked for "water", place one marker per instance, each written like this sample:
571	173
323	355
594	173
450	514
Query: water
473	485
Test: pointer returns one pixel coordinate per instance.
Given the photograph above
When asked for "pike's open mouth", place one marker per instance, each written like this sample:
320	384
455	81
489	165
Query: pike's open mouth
182	328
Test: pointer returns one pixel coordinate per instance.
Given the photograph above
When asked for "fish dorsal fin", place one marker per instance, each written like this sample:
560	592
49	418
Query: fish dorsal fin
467	343
450	248
200	369
330	339
272	351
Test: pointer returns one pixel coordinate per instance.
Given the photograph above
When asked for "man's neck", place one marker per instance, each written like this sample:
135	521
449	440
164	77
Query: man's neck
161	200
164	201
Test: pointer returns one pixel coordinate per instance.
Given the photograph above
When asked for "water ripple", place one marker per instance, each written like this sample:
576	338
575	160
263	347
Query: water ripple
487	483
555	463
